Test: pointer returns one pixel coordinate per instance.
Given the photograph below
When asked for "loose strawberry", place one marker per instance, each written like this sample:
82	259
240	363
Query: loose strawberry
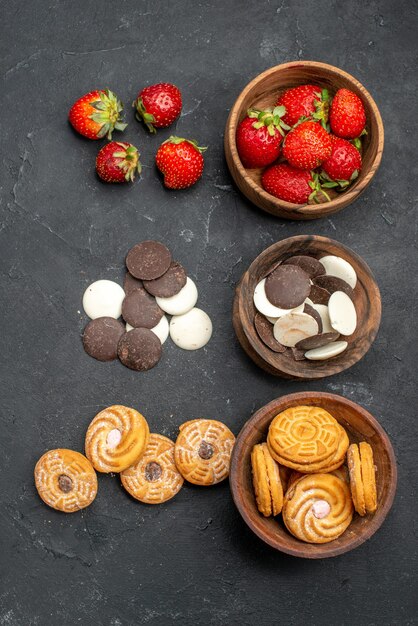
158	105
307	145
293	184
118	162
181	162
344	164
259	137
347	115
307	101
97	114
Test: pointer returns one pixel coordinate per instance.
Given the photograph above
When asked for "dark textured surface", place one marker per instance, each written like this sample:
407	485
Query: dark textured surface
192	560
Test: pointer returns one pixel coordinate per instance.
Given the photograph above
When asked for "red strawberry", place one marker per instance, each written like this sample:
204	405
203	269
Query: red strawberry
117	162
307	145
181	162
259	137
344	164
347	116
158	105
292	184
308	101
97	114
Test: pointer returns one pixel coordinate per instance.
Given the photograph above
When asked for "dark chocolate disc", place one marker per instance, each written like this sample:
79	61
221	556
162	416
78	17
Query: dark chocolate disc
332	283
169	284
309	264
318	295
265	332
130	284
287	286
310	343
140	310
314	313
148	260
101	337
139	349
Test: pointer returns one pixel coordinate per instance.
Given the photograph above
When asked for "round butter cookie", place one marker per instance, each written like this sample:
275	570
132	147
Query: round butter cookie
318	508
154	478
203	451
302	436
65	480
116	438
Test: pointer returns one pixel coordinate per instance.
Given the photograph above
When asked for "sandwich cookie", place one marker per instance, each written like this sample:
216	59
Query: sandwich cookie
266	481
154	478
65	480
203	451
103	298
362	477
192	330
116	438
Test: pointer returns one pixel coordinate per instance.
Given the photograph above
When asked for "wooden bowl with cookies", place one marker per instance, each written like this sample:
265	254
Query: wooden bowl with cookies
306	308
264	92
330	504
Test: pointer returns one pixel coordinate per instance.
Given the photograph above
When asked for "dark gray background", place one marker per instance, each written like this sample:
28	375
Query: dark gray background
192	560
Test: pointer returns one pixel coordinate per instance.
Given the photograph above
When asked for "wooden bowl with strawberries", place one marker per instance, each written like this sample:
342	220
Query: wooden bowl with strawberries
315	165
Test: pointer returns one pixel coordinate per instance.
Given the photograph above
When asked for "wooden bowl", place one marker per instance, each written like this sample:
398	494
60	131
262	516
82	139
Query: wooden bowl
366	299
360	426
263	92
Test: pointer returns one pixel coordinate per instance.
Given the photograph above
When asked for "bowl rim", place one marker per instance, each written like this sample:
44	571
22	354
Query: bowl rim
257	345
310	210
328	551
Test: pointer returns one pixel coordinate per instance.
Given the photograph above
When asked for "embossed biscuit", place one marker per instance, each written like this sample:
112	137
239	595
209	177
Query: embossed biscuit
116	438
317	508
303	435
65	480
203	451
154	478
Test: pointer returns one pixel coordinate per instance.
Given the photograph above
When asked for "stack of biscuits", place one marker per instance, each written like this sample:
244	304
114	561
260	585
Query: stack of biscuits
151	466
300	472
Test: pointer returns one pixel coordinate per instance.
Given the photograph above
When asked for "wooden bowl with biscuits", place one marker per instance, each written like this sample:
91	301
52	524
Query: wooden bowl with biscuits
360	426
290	362
263	92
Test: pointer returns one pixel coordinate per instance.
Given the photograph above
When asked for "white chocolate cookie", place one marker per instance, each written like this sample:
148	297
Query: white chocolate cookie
192	330
103	298
182	302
